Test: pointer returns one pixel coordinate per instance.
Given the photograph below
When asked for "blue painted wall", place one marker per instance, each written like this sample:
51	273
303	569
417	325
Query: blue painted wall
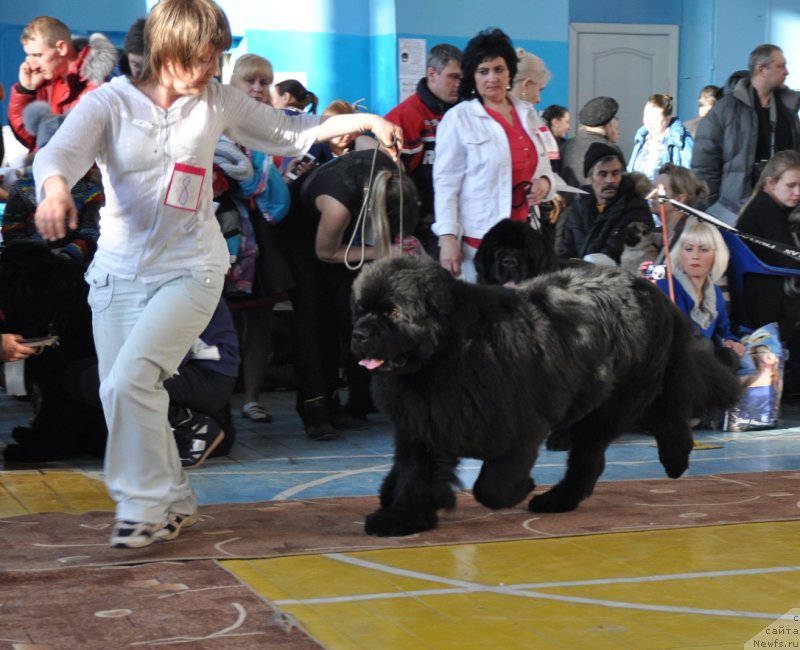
349	47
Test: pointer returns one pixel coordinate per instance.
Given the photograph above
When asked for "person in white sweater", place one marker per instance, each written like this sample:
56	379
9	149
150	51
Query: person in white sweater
158	272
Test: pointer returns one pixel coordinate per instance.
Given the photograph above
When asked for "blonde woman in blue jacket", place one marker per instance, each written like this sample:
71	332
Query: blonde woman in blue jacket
491	162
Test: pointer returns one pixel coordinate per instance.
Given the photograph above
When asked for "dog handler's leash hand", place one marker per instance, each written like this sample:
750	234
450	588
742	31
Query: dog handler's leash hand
390	137
56	210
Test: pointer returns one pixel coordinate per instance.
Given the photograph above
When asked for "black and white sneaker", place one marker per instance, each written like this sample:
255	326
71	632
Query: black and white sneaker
135	534
173	525
196	435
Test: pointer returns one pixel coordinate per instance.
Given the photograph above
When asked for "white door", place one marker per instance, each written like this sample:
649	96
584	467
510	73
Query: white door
626	62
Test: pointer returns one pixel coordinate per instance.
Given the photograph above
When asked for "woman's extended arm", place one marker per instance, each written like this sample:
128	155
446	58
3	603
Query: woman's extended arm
388	134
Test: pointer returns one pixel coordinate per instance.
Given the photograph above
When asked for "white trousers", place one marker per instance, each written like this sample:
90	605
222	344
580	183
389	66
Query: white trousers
142	332
468	273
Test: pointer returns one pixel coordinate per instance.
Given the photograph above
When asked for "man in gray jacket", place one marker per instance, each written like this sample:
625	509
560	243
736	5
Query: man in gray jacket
744	130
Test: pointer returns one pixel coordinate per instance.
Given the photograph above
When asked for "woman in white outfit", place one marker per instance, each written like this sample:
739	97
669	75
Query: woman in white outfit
157	275
491	160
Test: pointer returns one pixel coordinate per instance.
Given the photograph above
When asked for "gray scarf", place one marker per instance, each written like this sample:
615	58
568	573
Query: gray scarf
704	311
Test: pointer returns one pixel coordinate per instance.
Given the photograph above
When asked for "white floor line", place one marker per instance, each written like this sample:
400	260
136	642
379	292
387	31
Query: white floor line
290	492
463	586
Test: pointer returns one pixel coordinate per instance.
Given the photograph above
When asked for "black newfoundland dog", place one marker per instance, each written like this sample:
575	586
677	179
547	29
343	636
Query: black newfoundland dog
486	372
512	252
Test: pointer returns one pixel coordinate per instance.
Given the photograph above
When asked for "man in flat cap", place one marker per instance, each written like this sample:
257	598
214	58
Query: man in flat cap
599	123
594	225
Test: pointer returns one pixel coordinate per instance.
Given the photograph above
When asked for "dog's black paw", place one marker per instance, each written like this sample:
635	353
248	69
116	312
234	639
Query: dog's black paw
559	440
496	496
23	434
555	499
393	523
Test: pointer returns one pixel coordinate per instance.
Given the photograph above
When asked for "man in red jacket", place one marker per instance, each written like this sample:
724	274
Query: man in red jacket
419	115
56	71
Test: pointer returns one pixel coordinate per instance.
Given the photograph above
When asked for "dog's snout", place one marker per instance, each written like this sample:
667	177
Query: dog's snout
509	263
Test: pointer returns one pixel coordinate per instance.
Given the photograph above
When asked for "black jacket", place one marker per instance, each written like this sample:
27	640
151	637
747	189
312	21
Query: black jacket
588	231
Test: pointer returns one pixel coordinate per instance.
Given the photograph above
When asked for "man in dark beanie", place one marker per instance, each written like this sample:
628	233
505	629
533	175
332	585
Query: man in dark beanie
594	225
599	123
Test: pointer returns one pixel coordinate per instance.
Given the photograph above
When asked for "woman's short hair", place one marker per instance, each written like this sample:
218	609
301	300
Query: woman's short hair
248	65
302	97
682	180
488	44
703	234
177	31
530	66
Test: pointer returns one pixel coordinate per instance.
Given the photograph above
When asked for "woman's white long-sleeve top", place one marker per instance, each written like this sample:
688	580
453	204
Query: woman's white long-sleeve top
137	146
472	168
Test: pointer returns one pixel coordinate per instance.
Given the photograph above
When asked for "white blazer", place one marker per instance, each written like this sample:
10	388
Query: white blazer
472	168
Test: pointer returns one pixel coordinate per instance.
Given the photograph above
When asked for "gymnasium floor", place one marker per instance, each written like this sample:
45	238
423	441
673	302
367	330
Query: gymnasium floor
706	587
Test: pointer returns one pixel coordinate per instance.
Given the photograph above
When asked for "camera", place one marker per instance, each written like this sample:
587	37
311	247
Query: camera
655	271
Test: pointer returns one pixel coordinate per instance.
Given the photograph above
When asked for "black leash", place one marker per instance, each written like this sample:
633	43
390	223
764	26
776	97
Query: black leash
704	216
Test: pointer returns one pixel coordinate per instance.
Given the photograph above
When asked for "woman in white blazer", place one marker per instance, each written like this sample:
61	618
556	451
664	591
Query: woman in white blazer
491	161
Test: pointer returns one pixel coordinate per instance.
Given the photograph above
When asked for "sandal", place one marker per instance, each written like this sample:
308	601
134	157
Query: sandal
255	412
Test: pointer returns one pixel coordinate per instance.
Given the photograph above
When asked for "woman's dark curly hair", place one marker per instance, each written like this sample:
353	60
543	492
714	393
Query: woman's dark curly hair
488	44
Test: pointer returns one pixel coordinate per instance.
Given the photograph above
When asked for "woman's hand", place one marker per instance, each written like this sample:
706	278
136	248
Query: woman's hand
737	347
13	349
389	135
56	209
539	190
450	254
297	167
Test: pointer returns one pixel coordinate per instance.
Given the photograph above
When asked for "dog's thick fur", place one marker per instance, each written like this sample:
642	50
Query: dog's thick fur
42	293
486	372
512	252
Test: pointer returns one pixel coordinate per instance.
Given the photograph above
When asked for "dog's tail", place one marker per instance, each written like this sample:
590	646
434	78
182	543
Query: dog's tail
717	388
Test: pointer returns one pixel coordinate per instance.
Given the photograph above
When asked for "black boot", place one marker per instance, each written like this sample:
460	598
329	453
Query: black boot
317	420
341	419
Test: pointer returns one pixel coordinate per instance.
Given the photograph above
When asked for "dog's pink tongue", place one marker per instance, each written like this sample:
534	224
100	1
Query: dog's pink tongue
370	364
511	284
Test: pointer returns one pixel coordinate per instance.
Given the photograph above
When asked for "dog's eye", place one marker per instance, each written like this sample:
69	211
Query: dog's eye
394	313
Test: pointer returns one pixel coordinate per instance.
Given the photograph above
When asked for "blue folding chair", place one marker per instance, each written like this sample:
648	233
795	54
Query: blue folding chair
743	261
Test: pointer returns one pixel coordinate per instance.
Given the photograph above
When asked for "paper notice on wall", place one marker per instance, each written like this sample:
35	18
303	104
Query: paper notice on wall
412	54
